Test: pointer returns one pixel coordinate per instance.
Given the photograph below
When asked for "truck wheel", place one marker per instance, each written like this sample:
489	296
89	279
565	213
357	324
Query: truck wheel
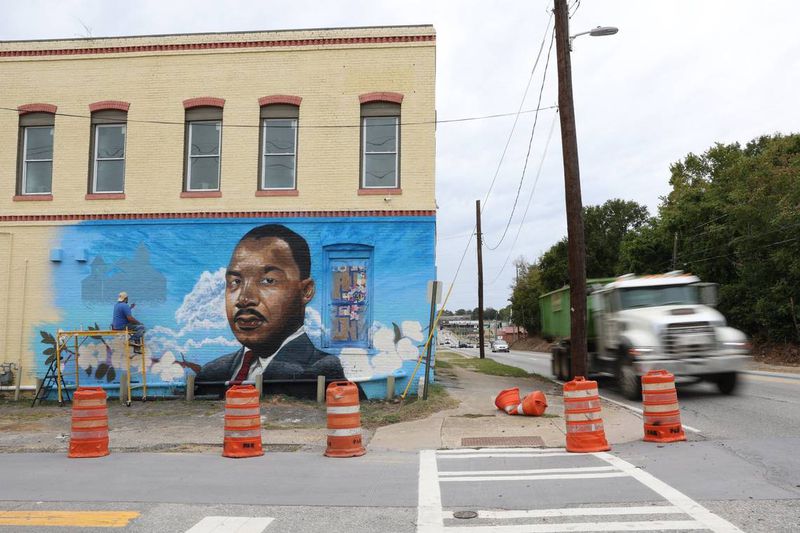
630	384
726	383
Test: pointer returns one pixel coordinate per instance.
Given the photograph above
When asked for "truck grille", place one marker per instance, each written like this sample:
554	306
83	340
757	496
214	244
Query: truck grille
689	339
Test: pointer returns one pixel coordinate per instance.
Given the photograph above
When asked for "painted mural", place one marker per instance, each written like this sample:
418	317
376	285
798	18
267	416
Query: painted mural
246	299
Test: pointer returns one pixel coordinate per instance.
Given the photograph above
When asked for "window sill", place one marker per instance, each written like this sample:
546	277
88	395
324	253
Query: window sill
201	194
105	196
33	198
380	191
278	192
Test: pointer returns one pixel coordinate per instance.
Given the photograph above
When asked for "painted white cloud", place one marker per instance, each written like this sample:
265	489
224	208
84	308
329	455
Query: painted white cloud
204	307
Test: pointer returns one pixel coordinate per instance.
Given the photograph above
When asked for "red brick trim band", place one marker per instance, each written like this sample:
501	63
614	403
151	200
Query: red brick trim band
278	192
384	96
217	214
109	104
280	99
202	101
212	46
368	192
33	198
37	108
106	196
201	194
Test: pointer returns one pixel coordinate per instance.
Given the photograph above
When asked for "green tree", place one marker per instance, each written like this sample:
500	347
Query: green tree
525	298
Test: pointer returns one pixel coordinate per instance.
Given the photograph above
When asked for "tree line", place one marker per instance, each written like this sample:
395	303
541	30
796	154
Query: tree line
732	217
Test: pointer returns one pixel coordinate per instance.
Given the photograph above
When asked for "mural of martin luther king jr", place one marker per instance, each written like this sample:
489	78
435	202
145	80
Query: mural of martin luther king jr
267	286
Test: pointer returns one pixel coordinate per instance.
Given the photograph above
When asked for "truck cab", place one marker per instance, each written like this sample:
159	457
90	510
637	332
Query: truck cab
666	322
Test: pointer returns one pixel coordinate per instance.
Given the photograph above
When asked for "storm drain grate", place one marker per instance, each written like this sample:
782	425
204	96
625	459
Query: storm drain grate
476	442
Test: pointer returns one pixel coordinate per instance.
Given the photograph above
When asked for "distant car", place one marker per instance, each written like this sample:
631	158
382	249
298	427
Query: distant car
499	346
463	345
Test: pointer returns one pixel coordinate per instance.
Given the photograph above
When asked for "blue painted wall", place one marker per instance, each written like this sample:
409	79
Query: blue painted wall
174	271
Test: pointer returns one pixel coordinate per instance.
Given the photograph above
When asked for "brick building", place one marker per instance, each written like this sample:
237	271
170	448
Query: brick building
137	163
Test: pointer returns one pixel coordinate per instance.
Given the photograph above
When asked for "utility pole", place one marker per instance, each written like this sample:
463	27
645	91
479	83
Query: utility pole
674	252
480	277
572	188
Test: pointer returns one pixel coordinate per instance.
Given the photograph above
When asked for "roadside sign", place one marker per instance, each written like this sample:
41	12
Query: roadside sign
439	285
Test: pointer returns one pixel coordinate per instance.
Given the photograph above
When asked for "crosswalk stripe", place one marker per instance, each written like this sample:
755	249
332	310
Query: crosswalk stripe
231	524
67	518
672	495
523	472
457	451
653	525
536	478
504	455
580	511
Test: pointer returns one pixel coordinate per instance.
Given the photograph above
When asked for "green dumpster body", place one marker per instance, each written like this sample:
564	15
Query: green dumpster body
554	310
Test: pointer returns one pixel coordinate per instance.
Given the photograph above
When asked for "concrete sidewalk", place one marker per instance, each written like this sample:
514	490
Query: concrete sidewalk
198	426
477	417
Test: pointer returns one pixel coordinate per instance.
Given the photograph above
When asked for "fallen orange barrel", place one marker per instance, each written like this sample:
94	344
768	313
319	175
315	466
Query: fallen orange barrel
534	404
582	414
508	400
344	420
89	433
662	416
242	422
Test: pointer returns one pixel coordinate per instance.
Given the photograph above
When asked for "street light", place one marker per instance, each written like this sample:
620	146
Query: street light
600	31
572	186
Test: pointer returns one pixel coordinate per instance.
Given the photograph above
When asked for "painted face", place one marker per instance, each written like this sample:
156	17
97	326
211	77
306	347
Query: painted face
264	296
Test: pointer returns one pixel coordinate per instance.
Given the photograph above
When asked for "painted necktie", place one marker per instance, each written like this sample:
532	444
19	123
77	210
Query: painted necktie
245	370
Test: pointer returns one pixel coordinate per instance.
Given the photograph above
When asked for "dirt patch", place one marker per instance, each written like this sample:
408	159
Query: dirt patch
532	344
783	354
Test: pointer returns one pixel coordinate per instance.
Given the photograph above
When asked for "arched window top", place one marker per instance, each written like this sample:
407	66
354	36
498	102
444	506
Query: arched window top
37	108
280	99
109	105
204	101
384	96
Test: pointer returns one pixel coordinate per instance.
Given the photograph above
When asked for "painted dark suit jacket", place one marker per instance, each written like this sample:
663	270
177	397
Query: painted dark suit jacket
297	360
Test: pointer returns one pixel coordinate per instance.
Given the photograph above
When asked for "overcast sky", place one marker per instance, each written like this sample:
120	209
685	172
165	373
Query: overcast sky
679	76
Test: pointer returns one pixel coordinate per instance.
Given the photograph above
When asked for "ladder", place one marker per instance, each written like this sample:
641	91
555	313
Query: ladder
49	383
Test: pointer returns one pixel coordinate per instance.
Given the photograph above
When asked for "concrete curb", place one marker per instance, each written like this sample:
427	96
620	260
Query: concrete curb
771	374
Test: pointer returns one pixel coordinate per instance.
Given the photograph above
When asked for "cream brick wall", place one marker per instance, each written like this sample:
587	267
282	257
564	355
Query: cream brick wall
329	78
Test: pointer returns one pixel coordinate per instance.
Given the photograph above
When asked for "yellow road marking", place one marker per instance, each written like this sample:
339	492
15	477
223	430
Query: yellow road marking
67	518
772	379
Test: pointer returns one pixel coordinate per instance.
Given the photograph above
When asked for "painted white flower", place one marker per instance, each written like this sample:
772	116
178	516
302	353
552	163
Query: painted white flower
413	330
386	363
166	369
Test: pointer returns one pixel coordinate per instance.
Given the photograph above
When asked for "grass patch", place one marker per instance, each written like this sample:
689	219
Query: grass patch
484	366
378	413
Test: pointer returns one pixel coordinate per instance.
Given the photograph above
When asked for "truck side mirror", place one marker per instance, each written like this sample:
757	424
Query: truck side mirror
709	294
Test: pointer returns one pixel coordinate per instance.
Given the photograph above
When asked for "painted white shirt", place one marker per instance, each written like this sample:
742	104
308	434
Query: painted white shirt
259	365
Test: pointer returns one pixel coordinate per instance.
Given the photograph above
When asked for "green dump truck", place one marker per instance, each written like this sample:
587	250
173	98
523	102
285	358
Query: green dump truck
642	323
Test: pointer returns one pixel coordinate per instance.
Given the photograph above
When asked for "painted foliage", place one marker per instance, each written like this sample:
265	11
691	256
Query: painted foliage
355	308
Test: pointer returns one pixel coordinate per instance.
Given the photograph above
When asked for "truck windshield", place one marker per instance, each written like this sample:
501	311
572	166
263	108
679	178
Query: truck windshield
655	296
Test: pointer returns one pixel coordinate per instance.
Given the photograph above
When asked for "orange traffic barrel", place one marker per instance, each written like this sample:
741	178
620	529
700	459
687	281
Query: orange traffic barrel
89	433
508	400
662	416
242	422
534	404
582	414
344	420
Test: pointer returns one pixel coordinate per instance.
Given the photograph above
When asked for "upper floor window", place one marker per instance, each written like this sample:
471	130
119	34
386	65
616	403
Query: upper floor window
109	129
278	161
35	169
380	145
203	144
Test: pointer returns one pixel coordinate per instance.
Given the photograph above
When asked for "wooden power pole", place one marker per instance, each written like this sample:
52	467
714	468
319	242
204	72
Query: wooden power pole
480	276
572	186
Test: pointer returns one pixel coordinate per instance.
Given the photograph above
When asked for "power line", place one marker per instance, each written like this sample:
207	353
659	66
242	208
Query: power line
530	198
530	144
516	118
311	126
